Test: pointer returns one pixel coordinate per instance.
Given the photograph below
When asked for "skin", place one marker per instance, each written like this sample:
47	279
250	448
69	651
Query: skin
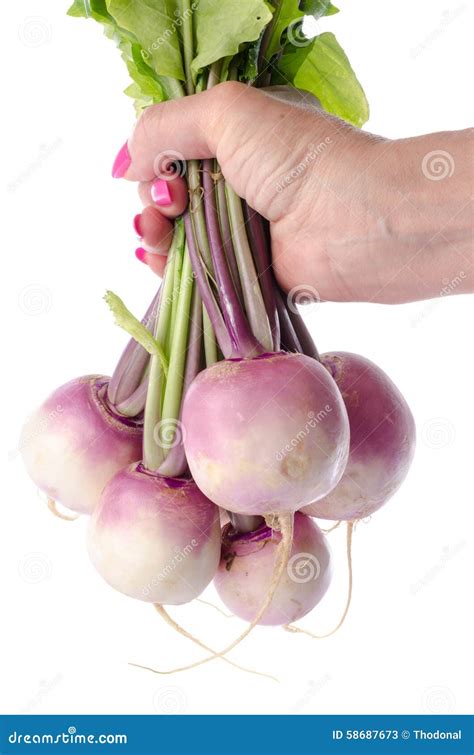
364	220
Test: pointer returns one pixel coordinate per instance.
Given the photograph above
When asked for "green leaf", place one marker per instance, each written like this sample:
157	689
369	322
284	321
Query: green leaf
286	13
322	68
124	319
95	9
290	13
154	24
222	26
318	8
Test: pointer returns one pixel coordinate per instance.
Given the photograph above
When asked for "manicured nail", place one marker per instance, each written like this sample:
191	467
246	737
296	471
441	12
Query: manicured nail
160	193
140	254
136	225
121	162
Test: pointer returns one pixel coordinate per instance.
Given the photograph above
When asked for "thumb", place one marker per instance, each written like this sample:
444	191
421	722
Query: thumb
256	137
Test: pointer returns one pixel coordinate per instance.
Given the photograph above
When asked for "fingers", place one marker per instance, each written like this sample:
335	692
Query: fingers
155	233
170	196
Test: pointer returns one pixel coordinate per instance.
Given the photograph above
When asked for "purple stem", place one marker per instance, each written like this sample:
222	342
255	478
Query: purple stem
227	236
134	404
303	335
212	309
289	339
243	341
262	259
129	371
175	464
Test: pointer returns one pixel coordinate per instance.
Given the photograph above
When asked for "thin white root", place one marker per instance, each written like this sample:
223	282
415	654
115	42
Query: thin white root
331	529
216	608
178	628
285	523
298	630
51	504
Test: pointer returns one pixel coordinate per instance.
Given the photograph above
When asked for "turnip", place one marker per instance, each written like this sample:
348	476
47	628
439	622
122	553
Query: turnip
246	566
275	437
75	442
382	441
154	535
155	538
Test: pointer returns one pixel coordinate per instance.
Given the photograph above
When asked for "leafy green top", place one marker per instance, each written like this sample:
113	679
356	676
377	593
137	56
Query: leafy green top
257	35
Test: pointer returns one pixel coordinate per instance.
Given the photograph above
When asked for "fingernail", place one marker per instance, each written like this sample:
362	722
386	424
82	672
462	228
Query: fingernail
140	254
121	162
136	225
160	193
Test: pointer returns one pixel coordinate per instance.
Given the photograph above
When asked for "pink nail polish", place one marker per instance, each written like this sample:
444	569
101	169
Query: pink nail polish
140	254
160	193
121	162
136	225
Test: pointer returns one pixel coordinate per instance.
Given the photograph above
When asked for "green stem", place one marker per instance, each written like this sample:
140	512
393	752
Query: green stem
174	299
253	299
153	454
188	43
174	384
210	343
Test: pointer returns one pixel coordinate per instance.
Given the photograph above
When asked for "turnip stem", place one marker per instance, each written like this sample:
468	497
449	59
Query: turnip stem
153	454
262	259
289	339
129	371
253	300
244	343
226	232
175	463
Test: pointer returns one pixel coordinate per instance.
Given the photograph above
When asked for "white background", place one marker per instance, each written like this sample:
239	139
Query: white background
67	638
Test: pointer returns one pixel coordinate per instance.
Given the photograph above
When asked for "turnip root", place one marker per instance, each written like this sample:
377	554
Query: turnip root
246	568
382	440
155	538
75	442
275	435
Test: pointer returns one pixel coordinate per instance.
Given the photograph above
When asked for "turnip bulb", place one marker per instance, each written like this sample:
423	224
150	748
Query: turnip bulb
75	442
246	569
268	434
155	538
382	442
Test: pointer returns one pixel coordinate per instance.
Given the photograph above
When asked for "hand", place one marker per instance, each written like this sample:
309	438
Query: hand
353	217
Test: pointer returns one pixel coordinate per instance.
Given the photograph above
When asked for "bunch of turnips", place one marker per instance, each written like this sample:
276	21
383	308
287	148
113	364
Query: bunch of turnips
220	410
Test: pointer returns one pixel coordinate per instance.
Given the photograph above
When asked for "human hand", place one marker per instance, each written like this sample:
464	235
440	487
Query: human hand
353	217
